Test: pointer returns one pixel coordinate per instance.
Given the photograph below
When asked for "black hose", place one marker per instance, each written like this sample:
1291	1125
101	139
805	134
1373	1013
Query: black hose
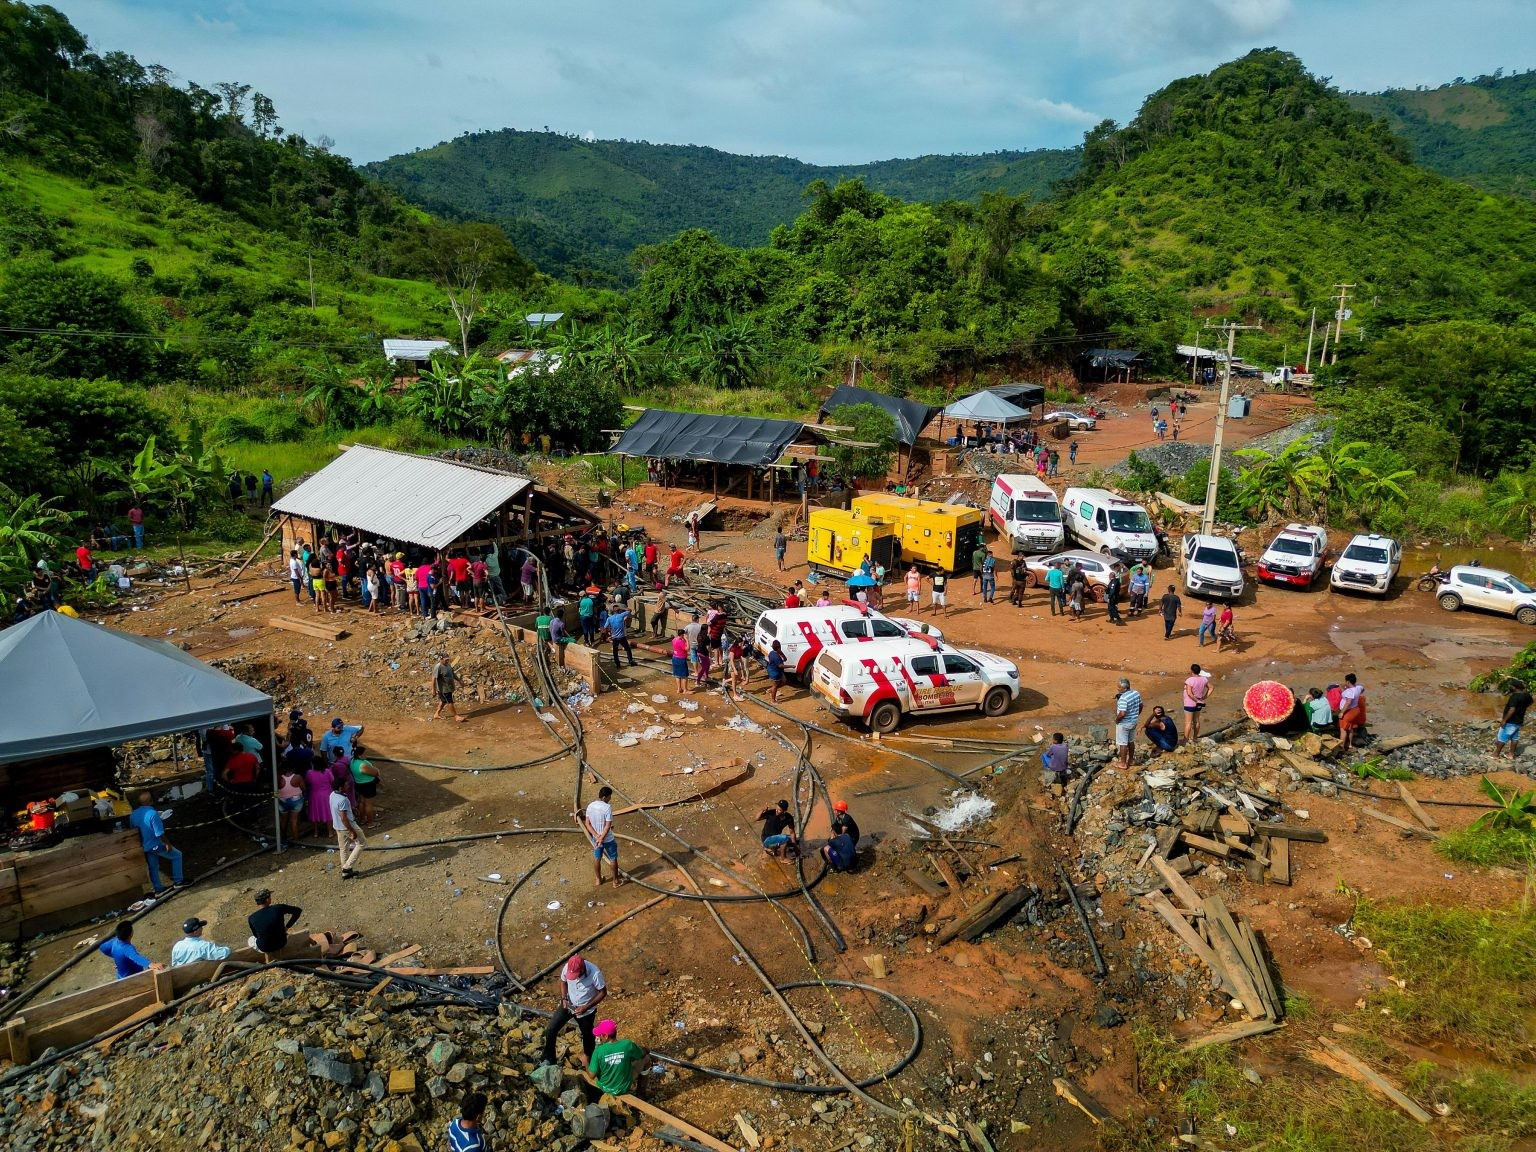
1082	918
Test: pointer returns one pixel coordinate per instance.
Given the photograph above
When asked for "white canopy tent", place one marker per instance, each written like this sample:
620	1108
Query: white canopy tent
70	685
986	408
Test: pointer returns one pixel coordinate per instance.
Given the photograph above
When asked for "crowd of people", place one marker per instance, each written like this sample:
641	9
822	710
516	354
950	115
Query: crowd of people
270	925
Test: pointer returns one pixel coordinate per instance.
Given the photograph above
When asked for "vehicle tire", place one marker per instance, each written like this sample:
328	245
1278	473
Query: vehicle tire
1105	550
1450	601
1031	580
886	717
995	702
1428	583
1095	594
1526	615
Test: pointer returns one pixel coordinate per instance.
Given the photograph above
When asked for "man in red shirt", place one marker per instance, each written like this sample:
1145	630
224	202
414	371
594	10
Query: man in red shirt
241	770
791	600
649	558
458	568
83	556
344	568
136	518
675	565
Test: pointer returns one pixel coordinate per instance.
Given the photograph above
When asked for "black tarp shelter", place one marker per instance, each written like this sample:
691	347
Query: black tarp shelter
911	416
1105	364
1020	395
712	438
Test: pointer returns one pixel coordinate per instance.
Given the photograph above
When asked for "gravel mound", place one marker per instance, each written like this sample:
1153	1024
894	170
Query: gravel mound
1173	457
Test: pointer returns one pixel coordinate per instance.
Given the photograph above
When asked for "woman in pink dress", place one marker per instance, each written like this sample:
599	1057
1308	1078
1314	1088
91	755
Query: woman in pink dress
317	783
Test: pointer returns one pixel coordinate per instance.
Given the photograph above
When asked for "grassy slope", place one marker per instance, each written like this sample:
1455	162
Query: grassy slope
570	203
106	227
1483	132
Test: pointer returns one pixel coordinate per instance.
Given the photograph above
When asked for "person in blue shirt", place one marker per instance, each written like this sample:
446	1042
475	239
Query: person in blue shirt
617	626
464	1131
192	947
128	959
157	849
341	736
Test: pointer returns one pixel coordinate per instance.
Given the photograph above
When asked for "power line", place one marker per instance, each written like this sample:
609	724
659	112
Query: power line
96	334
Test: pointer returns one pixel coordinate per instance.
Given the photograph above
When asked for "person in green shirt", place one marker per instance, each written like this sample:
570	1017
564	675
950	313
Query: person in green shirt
978	558
615	1063
541	623
366	777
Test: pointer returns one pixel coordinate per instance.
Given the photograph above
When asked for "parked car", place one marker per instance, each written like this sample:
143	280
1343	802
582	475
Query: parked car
1074	420
1213	567
1095	565
884	680
803	632
1467	586
1295	557
1368	564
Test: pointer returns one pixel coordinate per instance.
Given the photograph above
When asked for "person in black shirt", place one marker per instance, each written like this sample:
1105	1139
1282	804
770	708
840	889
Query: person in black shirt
842	822
270	923
842	851
1513	720
778	830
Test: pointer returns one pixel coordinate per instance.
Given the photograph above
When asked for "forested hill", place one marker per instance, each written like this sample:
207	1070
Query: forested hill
1481	131
579	207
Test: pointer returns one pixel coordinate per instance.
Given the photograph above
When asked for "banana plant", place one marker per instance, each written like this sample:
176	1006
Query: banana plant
1516	811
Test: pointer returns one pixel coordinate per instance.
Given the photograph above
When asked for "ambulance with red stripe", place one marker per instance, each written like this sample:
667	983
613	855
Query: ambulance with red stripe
1026	513
884	680
804	632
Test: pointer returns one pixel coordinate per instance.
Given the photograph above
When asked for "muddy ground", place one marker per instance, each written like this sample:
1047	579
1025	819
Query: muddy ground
1000	1017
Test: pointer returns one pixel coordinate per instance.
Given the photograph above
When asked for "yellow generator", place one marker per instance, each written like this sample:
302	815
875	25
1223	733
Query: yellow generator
839	541
933	535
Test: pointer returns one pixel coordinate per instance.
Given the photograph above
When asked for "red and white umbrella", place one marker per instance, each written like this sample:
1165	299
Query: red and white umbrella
1268	702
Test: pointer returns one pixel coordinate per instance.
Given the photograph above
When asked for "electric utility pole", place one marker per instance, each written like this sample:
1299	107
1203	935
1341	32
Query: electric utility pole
1338	333
1311	328
1208	516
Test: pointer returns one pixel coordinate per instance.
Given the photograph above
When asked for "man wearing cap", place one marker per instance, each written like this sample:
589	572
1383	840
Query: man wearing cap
192	947
586	613
614	1063
270	923
342	736
582	989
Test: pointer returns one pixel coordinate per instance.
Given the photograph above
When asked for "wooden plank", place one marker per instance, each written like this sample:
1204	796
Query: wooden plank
923	883
1290	832
1167	837
1419	814
1000	911
79	894
973	916
1253	870
381	985
944	869
1176	884
400	955
72	1030
305	628
1250	850
1080	1100
977	1136
1261	969
164	986
1206	845
1402	825
476	970
1232	824
682	1126
1190	938
140	984
1231	1033
17	1046
1225	946
1279	871
1347	1064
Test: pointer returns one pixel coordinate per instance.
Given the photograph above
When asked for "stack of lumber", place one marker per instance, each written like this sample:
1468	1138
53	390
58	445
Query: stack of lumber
1227	945
1234	826
316	626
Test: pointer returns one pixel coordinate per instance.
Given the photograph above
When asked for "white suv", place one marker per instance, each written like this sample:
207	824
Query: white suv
882	680
1476	587
1295	557
1369	564
803	632
1212	567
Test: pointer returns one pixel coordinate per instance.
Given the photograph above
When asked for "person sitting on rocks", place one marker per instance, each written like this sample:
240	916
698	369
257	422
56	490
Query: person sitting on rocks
464	1131
1161	731
615	1063
192	947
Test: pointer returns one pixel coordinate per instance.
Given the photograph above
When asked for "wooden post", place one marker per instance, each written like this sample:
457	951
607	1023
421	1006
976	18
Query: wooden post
528	515
715	478
621	474
773	481
16	1040
165	987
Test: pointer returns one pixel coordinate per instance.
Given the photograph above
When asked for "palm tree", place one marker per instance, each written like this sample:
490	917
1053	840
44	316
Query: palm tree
727	356
1517	502
333	393
1332	470
1277	482
29	527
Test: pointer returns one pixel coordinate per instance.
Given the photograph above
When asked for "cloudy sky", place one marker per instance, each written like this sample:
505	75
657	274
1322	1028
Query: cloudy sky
828	81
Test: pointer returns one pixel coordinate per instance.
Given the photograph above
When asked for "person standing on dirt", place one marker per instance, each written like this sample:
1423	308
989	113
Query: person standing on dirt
1127	712
350	841
146	820
1197	691
648	556
1020	574
680	662
978	558
1224	631
775	665
586	614
659	614
529	576
582	989
1072	453
1512	720
675	565
693	531
989	580
914	586
1056	581
1112	596
444	680
598	821
618	634
1170	607
780	546
1141	588
1207	622
938	600
136	521
234	489
1351	711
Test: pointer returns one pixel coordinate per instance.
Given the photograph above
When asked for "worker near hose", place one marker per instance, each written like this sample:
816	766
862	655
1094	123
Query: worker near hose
842	851
582	989
779	830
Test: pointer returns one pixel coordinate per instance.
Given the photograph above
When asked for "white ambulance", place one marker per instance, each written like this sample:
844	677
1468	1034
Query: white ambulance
882	681
804	632
1101	521
1026	513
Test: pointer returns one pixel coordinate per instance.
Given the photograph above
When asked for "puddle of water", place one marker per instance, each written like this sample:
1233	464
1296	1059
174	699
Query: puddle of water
242	633
1509	558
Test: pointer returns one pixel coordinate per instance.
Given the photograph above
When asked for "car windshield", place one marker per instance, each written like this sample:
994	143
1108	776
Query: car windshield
1134	520
1291	546
1368	553
1215	557
1519	585
1037	511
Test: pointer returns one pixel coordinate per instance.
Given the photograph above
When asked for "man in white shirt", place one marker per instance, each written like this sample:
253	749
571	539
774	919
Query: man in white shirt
192	947
349	837
582	989
598	821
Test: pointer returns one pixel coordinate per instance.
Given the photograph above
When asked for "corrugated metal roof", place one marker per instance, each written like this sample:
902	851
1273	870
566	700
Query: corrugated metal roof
417	499
415	349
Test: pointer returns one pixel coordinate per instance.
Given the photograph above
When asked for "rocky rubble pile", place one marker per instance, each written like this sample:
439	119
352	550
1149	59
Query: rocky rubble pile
1172	457
284	1062
490	458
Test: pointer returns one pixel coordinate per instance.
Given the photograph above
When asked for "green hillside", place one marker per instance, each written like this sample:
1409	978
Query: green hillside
1481	131
578	208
